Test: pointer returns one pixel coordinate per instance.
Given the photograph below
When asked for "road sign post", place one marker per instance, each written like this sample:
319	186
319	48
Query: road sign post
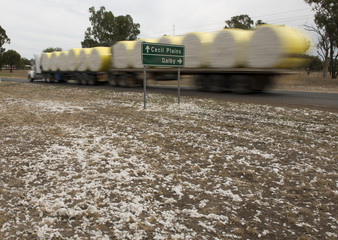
162	55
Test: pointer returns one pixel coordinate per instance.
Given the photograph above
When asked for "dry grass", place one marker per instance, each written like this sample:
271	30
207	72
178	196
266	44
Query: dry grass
92	164
300	81
15	74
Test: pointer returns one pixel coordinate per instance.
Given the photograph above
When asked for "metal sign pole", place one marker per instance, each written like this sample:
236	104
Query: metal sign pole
145	86
179	85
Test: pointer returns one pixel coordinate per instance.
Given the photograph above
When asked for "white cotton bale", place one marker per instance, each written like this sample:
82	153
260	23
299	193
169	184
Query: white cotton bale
122	54
170	40
73	59
63	61
54	65
136	56
45	61
229	48
197	49
276	47
83	59
99	59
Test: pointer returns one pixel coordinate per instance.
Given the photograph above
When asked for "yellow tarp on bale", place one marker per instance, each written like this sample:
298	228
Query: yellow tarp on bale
83	59
73	58
229	48
54	65
99	59
197	49
122	54
170	40
276	47
45	61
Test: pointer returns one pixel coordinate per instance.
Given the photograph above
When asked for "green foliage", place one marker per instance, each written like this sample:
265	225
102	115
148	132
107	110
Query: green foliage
326	19
11	58
326	16
242	21
51	49
106	29
3	39
313	64
260	22
24	62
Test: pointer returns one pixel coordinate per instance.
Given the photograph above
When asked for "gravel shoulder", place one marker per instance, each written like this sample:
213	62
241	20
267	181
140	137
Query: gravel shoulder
80	163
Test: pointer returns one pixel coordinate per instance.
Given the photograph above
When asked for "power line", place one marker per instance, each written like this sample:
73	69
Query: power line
287	19
278	13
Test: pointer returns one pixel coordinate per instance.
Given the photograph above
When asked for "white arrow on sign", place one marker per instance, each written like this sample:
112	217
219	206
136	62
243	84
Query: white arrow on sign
180	61
147	48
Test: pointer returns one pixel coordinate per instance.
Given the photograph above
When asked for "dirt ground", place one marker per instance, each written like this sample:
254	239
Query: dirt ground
79	163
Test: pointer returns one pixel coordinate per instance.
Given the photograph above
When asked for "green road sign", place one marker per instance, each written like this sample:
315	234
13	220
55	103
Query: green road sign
162	55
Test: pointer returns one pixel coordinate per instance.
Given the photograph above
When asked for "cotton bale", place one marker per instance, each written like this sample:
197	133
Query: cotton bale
137	50
63	61
229	48
122	54
99	59
83	59
54	65
45	61
197	49
73	59
171	40
276	47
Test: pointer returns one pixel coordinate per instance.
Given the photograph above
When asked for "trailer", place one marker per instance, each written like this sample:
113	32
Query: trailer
240	80
231	59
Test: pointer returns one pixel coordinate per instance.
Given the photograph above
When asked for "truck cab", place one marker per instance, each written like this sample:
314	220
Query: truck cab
36	71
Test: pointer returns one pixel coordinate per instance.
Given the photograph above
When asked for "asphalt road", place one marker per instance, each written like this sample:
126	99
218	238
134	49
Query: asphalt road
313	100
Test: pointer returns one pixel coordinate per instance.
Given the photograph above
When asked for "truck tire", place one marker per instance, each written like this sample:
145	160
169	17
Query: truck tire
241	84
91	80
127	81
30	78
214	83
112	80
200	81
83	79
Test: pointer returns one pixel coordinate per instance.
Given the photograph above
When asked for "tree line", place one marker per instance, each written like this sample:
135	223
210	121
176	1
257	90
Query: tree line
106	29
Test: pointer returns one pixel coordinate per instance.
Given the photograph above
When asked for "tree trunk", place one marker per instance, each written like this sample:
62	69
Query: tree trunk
326	66
332	65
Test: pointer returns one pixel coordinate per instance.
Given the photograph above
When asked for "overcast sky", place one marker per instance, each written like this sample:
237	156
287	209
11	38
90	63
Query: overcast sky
33	25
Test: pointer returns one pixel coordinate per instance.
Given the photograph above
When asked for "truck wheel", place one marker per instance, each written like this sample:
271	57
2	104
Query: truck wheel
30	78
200	81
260	83
214	83
112	80
91	80
241	84
128	81
83	79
